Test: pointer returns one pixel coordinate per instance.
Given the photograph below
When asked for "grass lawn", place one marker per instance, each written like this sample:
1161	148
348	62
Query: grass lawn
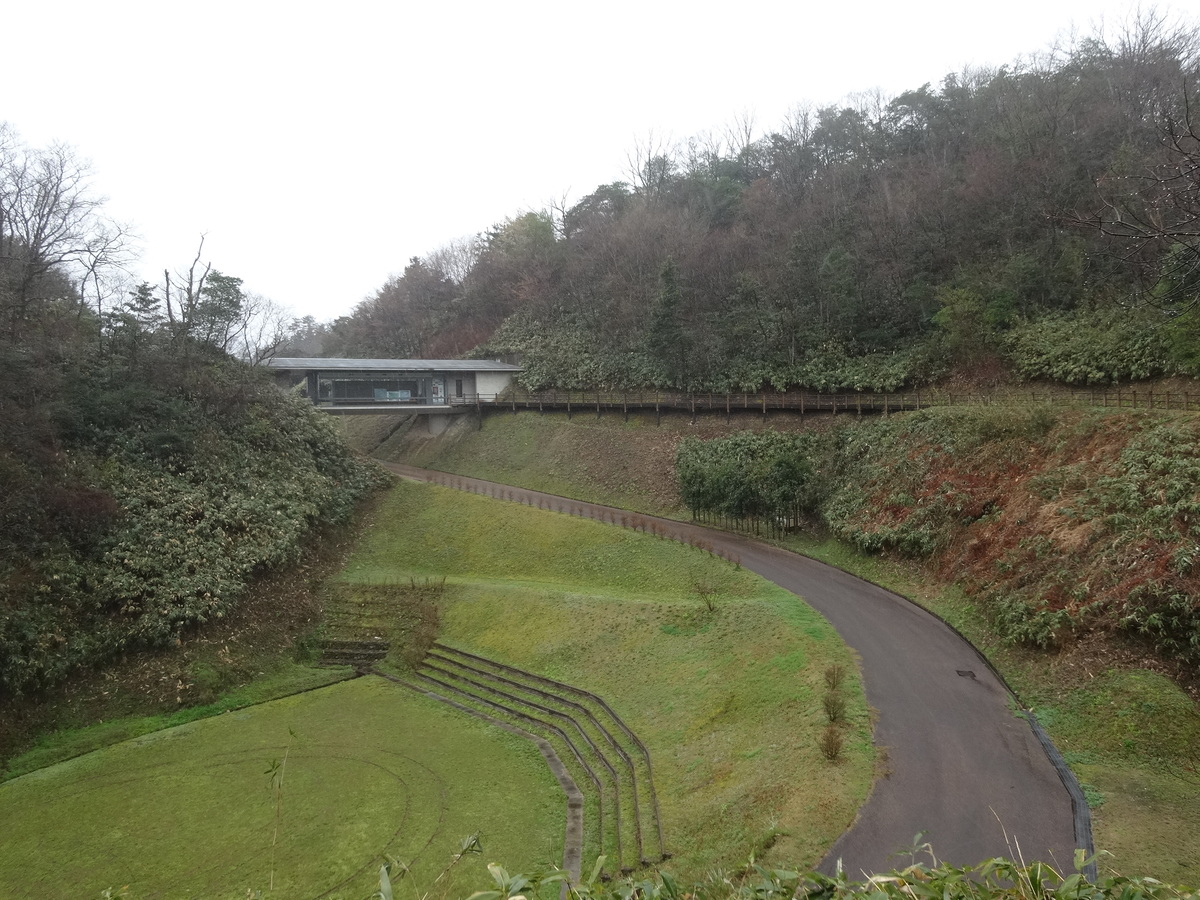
728	701
67	743
371	771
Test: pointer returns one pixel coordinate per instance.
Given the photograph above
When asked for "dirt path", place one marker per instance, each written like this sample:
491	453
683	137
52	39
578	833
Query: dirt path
961	765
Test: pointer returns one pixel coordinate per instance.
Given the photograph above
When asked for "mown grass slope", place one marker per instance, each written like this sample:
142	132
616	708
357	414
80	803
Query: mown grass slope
977	489
728	700
630	464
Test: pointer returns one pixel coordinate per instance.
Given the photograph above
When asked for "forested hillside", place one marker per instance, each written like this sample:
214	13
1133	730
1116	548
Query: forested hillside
147	475
1037	219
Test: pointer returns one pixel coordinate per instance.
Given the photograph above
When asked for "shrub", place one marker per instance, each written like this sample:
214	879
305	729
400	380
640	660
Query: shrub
834	676
1021	623
912	482
761	476
831	743
1091	346
834	705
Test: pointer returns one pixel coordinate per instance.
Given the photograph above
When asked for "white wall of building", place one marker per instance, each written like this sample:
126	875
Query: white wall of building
488	384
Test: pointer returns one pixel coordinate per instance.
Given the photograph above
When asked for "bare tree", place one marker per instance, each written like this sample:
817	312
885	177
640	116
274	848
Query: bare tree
1152	216
55	242
181	295
651	165
799	123
739	134
558	208
455	259
265	327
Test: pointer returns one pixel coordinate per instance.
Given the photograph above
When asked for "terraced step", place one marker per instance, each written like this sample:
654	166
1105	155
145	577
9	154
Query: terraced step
634	752
364	652
615	761
573	831
564	731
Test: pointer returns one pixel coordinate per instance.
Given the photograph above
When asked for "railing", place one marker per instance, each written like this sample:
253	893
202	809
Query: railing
807	402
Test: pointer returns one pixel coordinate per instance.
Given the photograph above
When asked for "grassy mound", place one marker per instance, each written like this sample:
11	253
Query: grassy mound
368	771
728	700
985	492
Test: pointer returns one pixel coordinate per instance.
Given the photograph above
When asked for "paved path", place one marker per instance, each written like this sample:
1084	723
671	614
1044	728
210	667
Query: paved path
961	766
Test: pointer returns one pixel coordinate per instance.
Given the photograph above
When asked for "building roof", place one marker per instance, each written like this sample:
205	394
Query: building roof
327	364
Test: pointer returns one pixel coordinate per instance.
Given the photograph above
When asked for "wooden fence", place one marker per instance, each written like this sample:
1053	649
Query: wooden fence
805	402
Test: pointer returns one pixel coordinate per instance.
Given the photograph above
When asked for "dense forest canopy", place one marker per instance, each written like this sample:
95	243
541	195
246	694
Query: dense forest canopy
1042	214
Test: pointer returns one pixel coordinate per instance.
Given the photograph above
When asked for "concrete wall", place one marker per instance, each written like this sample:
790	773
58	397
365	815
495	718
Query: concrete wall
489	383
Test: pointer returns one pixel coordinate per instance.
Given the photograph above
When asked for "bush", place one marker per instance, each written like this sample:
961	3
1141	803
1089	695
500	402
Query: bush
1021	623
834	705
831	743
834	676
749	475
911	483
162	516
1091	346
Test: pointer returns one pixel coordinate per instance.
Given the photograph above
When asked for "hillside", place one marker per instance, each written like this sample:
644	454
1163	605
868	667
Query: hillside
1037	218
979	516
151	487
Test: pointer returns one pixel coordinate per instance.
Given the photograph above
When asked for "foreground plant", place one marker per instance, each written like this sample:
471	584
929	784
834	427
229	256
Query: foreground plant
994	879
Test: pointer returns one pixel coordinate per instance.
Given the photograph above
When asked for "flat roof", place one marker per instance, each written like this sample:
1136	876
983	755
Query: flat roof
391	365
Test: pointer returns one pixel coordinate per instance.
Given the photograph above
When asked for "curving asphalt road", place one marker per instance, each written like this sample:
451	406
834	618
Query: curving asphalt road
961	766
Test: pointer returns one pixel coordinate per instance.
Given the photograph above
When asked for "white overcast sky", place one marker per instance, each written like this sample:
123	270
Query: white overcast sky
319	146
